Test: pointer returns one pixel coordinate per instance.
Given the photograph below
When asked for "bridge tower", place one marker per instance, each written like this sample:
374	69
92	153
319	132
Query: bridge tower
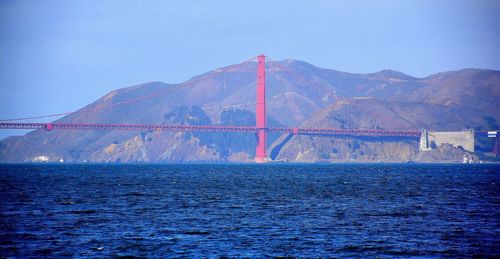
260	110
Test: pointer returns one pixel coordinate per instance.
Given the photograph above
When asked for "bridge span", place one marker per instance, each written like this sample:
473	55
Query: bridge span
212	128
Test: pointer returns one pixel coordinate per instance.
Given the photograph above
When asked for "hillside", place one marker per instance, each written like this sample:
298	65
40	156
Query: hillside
298	93
379	114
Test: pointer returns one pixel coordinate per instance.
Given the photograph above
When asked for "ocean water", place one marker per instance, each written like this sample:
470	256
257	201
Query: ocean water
253	211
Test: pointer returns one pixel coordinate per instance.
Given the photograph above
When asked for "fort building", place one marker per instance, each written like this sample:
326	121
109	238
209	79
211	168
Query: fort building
433	139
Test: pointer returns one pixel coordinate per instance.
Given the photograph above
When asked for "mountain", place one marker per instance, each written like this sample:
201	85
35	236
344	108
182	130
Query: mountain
470	88
298	94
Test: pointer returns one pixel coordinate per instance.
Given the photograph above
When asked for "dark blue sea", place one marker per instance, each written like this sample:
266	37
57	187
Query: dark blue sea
252	211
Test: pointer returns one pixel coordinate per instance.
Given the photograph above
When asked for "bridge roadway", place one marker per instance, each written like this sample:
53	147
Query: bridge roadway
212	128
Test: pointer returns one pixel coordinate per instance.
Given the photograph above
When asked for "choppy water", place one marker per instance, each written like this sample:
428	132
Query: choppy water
249	210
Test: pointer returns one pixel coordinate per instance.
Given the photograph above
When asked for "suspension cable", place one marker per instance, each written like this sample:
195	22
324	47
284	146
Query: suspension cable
190	82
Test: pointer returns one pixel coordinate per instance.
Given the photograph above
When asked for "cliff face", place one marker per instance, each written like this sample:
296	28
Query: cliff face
329	149
369	150
298	94
156	147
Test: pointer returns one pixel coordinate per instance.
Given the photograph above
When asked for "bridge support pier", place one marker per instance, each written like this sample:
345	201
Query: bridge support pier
260	110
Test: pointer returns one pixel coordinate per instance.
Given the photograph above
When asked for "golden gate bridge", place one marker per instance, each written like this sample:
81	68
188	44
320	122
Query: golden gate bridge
260	128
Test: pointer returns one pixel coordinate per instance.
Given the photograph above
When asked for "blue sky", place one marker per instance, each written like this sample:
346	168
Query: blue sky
57	56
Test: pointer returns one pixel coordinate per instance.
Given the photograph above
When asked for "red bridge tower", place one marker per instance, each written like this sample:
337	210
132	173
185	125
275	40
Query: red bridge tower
260	110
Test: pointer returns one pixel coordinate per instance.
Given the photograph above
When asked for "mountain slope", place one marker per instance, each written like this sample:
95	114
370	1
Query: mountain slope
471	88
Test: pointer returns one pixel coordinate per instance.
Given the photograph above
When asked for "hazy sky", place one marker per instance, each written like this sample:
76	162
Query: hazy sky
56	56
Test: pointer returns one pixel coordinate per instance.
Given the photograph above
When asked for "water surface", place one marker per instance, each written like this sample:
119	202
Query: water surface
249	210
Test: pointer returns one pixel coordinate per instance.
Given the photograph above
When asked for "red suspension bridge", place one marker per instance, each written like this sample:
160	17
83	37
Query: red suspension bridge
260	128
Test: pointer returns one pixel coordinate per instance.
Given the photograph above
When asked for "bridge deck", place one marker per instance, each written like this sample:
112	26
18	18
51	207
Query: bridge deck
208	128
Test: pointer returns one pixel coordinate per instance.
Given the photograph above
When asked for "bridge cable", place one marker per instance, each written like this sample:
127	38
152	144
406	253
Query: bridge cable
190	82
